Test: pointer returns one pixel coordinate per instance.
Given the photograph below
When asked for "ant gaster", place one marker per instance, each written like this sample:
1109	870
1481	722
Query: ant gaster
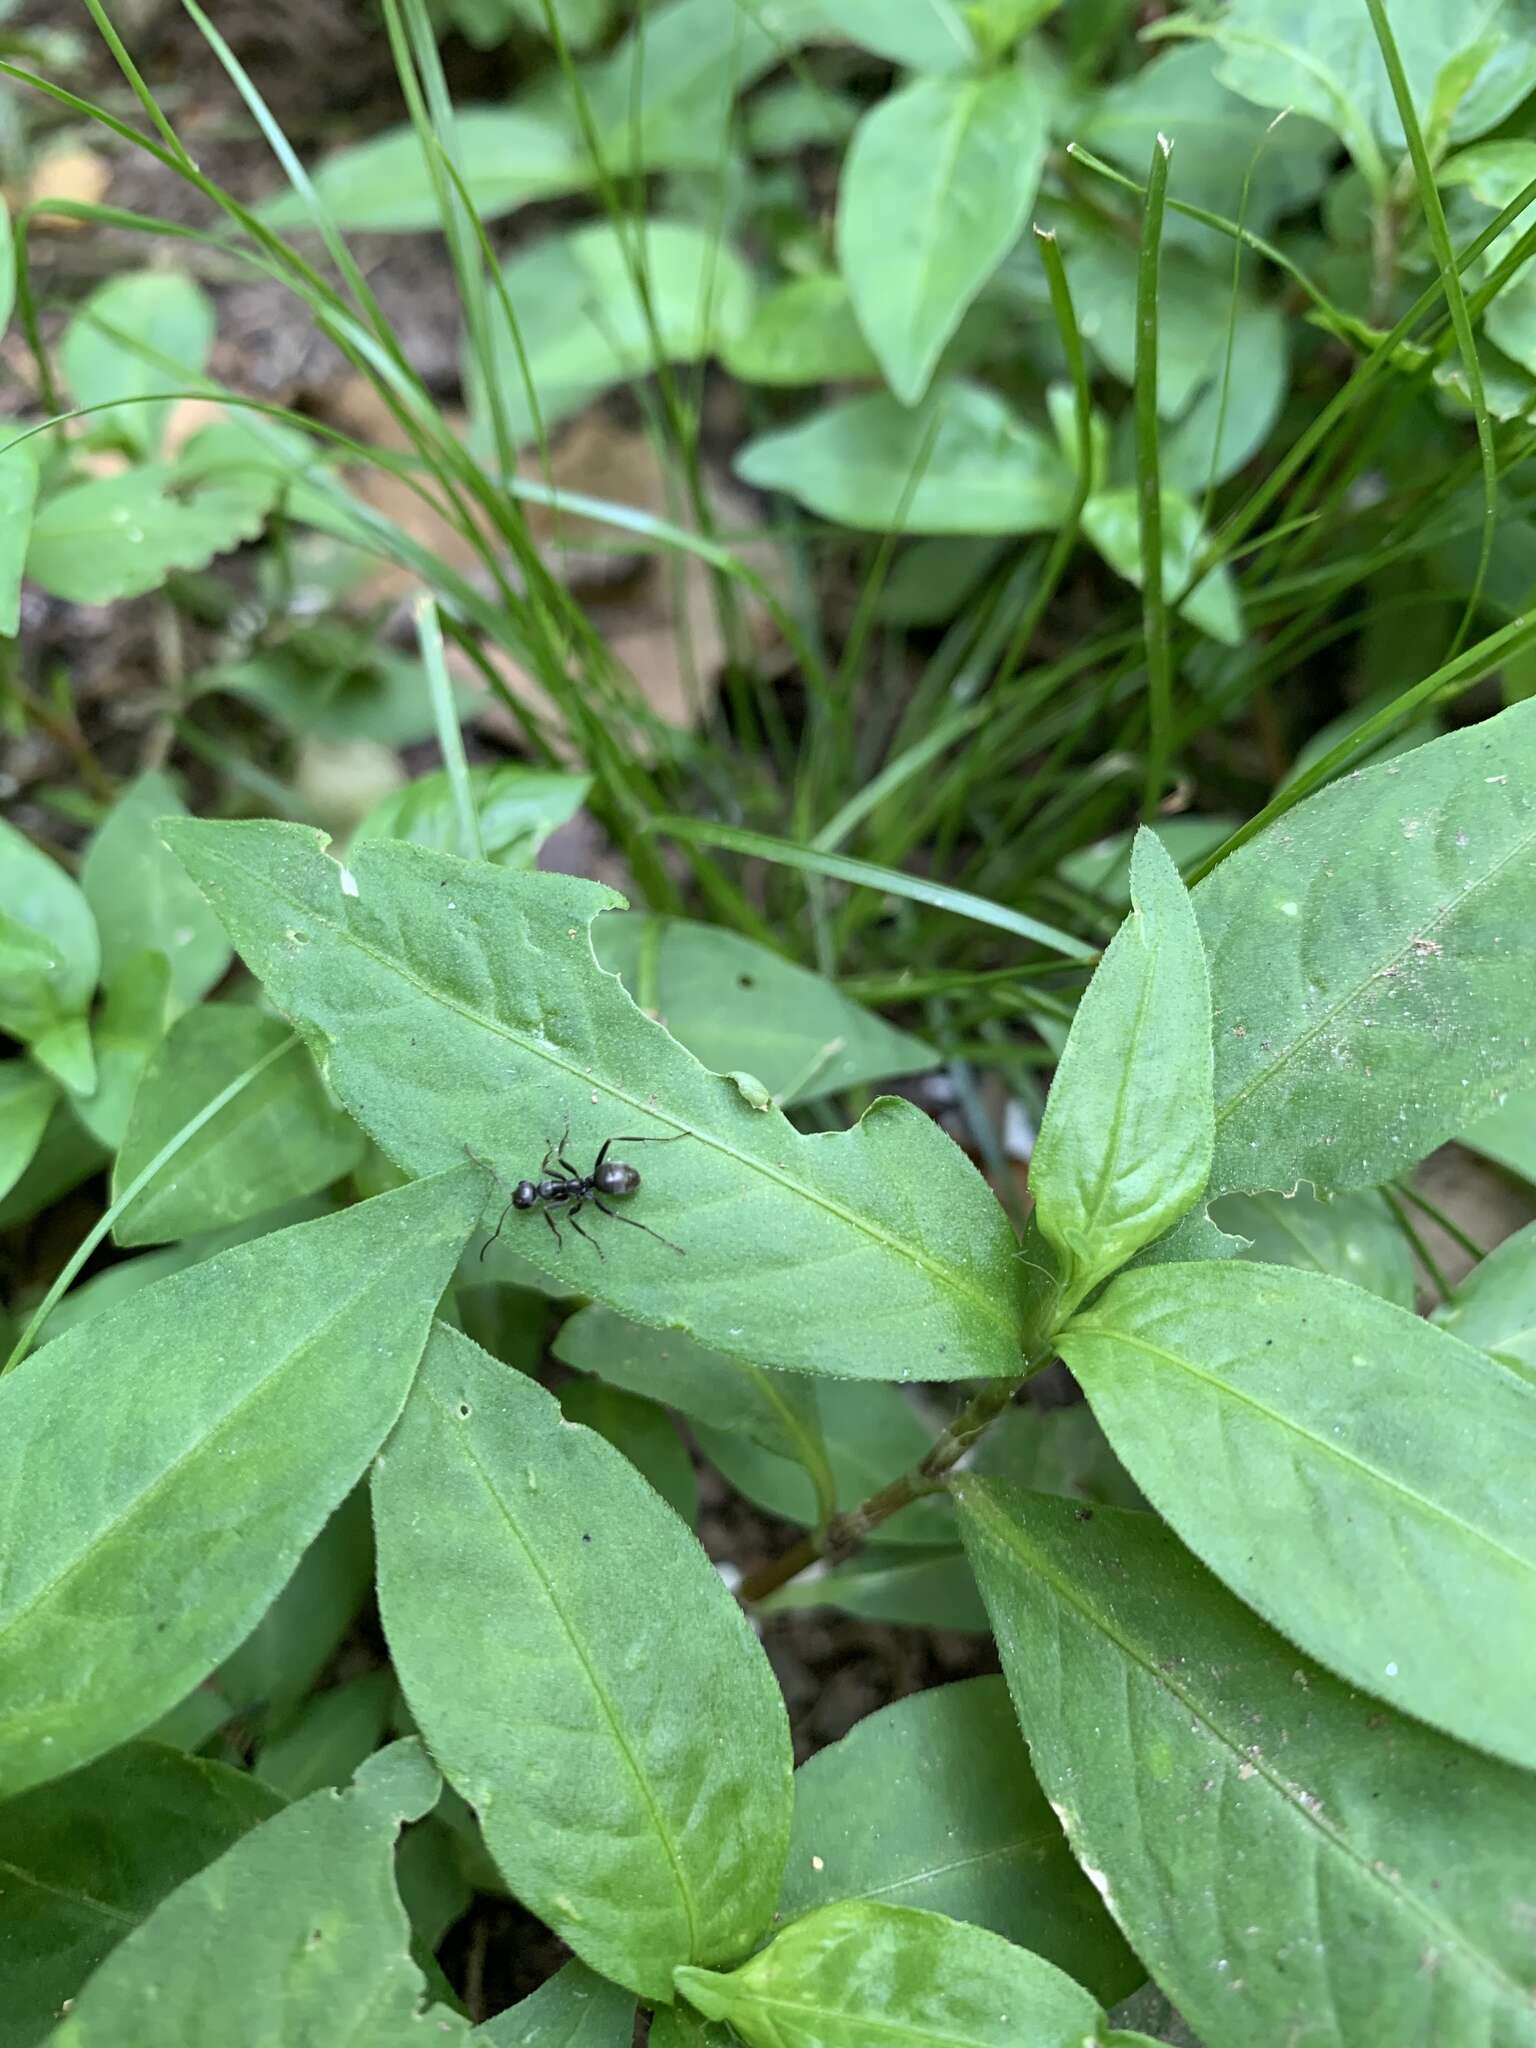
564	1186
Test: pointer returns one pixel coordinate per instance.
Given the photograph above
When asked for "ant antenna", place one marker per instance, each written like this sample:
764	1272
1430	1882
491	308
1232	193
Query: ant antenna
495	1176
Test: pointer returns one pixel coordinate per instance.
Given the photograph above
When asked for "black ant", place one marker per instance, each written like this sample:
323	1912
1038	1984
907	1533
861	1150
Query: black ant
571	1189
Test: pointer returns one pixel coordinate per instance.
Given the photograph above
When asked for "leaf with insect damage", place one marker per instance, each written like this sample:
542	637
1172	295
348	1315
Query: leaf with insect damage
454	1005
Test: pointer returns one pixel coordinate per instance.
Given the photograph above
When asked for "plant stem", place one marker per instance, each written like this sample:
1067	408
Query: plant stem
850	1528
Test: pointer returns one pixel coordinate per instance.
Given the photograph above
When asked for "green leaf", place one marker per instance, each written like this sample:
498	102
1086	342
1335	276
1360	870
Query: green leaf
677	2026
49	951
1056	1450
452	1006
1111	522
963	462
1508	1136
1339	1844
89	1857
971	1834
179	1452
1104	868
1194	310
773	1409
871	1434
618	1732
27	1096
120	536
1494	1307
740	1008
644	1433
934	192
506	156
125	1032
863	1975
1368	981
1324	61
67	1155
1294	1432
141	897
804	332
109	349
517	807
306	1926
1120	1156
575	2009
284	1655
924	35
912	1588
64	1049
1235	414
7	267
18	496
333	1736
584	325
1353	1236
279	1138
800	113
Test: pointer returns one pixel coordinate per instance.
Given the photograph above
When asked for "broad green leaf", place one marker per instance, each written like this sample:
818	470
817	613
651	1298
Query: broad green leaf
805	332
679	2026
934	192
453	1007
1120	1155
1368	981
913	1588
931	579
971	1834
279	1138
1217	137
864	1975
740	1008
1104	868
49	951
583	322
1494	1307
331	1737
432	1886
517	808
296	1934
800	113
871	1433
618	1731
1111	522
176	1455
776	1410
285	1653
141	897
87	1858
67	1155
923	35
120	536
1285	1853
1056	1450
18	496
329	688
575	2009
963	462
127	1028
1194	310
1508	1136
1324	61
1355	1474
644	1433
64	1050
1235	414
27	1096
506	156
1353	1236
110	348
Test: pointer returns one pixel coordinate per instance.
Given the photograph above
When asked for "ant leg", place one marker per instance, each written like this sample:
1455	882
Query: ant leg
635	1223
603	1154
591	1240
549	1219
475	1156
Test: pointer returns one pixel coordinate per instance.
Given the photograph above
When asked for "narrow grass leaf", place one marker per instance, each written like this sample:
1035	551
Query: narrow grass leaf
456	1006
1286	1854
179	1453
619	1732
1358	1476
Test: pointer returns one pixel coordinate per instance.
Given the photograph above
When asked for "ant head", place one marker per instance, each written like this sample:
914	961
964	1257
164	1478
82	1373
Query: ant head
613	1177
525	1194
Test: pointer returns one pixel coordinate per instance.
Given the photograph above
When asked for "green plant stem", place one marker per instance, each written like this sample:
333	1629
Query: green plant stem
843	1532
1149	489
1437	1216
1417	1245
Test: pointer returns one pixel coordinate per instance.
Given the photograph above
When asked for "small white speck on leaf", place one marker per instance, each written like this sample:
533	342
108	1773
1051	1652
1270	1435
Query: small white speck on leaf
348	882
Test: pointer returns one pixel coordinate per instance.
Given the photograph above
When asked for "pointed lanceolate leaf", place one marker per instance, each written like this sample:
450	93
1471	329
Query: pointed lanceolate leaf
1121	1153
452	1005
617	1729
865	1975
90	1856
970	1834
1293	1861
1362	1479
166	1463
1494	1307
1369	978
575	2009
937	181
296	1934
